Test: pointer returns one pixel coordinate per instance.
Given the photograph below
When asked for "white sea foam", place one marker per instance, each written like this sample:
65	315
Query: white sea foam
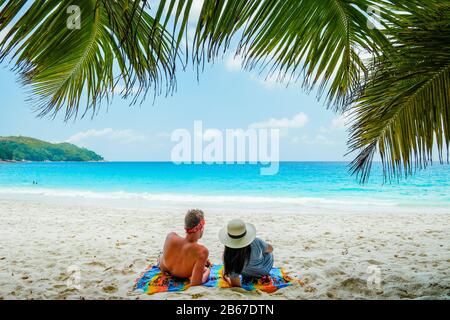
139	199
122	195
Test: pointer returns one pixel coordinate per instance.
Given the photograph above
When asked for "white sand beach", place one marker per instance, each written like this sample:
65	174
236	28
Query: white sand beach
41	244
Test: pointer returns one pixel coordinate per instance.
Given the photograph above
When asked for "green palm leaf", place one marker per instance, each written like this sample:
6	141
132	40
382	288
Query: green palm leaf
66	67
320	41
403	110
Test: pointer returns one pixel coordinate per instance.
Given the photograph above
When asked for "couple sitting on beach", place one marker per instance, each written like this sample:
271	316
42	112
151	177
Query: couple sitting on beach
244	253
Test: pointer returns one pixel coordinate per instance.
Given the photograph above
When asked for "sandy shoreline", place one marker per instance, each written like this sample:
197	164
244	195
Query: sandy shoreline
41	244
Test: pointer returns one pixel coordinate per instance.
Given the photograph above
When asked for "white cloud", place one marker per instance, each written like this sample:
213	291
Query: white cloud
195	10
120	90
163	135
191	34
317	139
194	13
269	82
338	123
234	63
189	40
121	136
326	135
274	80
3	33
298	121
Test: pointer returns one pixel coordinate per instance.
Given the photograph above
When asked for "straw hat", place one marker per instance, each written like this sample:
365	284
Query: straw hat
237	234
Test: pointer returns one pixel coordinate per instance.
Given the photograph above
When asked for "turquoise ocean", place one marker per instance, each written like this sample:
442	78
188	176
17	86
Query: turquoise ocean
301	186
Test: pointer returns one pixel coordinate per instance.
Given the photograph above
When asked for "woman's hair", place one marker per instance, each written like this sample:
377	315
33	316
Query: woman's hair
234	260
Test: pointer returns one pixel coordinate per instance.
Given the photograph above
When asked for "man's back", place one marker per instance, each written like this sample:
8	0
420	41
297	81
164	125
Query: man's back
184	257
181	256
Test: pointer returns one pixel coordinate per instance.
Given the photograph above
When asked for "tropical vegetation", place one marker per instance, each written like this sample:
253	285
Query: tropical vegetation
29	149
384	63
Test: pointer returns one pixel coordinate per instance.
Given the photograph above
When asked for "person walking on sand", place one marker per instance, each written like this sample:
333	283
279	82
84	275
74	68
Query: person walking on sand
184	257
244	253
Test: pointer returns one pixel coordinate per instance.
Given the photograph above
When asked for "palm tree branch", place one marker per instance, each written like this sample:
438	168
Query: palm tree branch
322	38
64	67
404	108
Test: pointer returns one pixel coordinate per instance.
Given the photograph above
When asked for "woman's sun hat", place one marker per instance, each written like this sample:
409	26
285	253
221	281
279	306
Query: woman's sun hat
237	234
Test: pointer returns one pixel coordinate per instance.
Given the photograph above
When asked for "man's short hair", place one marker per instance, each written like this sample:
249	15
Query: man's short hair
193	218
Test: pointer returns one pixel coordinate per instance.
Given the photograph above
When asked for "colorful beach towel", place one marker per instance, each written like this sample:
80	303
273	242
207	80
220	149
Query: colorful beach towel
152	280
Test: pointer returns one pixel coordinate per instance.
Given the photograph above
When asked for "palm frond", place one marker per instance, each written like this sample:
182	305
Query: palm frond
65	67
404	109
320	41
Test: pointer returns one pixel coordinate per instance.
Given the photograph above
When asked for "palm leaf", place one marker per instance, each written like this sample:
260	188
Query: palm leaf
66	67
320	41
403	111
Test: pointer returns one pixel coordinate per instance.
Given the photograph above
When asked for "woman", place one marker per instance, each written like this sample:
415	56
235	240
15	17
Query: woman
244	254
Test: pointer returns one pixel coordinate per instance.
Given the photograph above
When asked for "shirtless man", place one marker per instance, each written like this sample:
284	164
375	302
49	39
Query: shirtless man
182	256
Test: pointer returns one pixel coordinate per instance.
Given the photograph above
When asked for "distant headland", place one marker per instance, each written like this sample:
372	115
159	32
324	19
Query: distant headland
13	149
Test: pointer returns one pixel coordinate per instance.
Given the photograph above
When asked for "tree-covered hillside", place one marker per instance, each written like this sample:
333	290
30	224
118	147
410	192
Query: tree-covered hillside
29	149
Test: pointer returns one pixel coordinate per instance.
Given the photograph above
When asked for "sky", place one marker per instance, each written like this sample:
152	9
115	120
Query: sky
225	97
